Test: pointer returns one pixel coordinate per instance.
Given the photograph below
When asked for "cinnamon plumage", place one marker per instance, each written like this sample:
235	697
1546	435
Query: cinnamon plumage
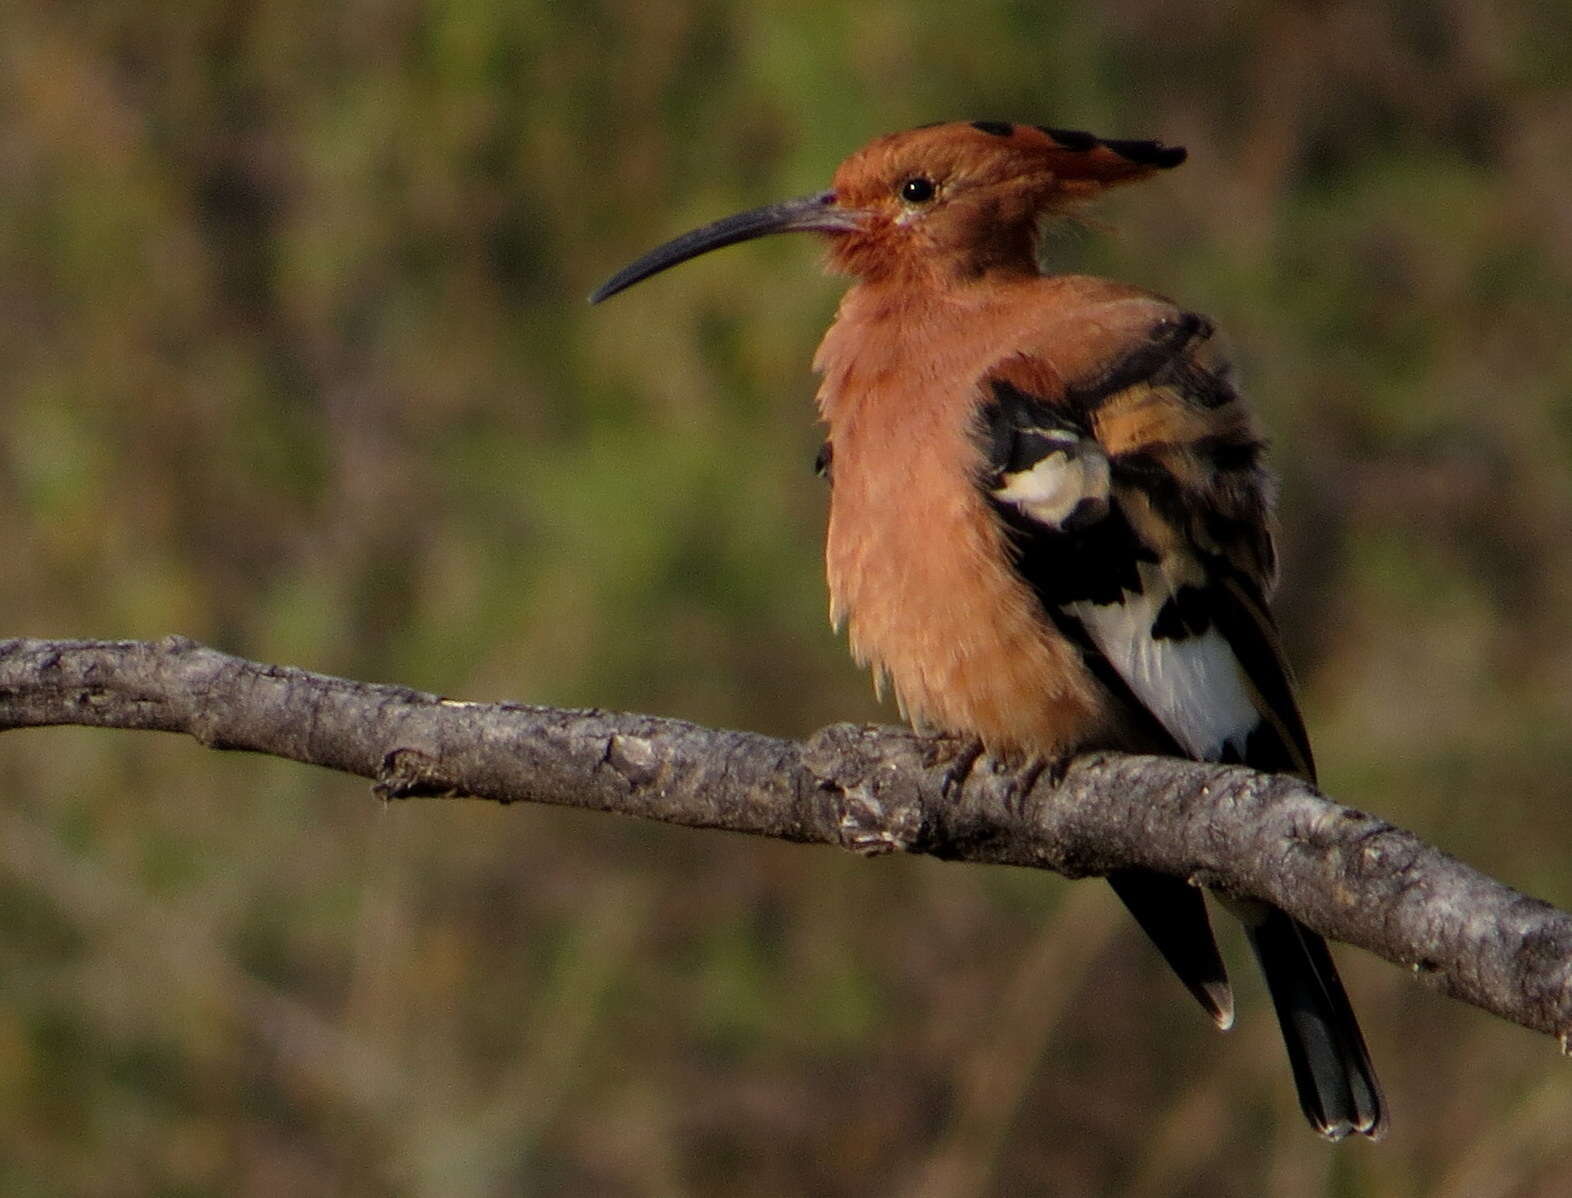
1050	519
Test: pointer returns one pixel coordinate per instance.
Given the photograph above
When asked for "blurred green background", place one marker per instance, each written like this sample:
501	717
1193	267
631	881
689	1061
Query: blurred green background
296	360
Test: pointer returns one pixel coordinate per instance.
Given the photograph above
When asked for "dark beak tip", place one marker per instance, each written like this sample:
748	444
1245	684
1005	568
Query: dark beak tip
615	285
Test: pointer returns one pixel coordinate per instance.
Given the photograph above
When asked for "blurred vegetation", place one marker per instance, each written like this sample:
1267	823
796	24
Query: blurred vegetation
296	361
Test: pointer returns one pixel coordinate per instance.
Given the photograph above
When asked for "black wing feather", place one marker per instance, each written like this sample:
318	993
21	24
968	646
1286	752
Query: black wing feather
1211	493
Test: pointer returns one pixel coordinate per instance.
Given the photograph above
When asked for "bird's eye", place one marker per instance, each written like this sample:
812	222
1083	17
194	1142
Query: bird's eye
917	191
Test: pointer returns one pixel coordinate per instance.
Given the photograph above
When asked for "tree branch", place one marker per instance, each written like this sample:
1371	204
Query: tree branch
870	790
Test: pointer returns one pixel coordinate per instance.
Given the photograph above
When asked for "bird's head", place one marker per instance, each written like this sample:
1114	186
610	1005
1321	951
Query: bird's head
962	199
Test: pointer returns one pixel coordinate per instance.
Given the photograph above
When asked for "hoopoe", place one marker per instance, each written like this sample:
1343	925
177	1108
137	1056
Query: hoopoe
1050	522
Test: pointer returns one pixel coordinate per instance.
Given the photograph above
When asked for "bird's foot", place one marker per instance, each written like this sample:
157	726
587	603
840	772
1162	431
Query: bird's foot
959	755
1038	769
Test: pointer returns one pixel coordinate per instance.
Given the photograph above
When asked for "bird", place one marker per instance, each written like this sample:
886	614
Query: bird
1051	520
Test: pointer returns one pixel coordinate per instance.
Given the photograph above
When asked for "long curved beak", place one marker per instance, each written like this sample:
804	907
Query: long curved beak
812	214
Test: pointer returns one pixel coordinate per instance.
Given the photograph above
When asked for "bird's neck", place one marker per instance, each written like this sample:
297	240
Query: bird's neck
883	328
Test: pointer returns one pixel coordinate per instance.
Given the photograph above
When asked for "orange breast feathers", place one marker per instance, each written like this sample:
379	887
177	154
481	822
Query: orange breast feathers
919	566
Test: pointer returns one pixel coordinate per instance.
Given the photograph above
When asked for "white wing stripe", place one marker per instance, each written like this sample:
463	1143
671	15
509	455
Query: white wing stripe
1194	685
1073	472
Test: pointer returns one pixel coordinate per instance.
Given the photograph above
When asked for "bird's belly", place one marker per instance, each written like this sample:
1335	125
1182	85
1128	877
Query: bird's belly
920	572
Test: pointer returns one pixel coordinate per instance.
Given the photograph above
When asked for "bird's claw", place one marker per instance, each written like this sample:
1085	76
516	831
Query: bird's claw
959	755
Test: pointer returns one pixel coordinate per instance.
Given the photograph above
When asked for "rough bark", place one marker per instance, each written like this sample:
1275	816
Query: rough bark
870	790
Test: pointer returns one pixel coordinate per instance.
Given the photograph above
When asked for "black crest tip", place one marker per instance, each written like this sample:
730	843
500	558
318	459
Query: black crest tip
1148	153
1072	139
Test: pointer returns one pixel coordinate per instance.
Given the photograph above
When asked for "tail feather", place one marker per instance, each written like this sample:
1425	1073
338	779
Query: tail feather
1337	1085
1173	914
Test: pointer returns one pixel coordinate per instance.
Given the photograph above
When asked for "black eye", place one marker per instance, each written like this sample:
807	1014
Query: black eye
917	191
